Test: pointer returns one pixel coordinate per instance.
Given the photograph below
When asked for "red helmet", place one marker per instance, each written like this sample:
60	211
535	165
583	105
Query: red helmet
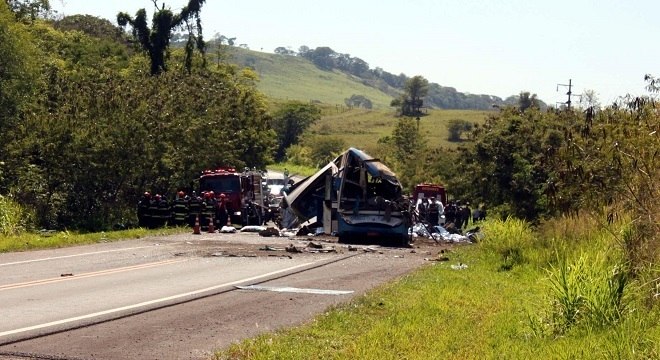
157	196
181	193
207	195
147	194
211	194
222	195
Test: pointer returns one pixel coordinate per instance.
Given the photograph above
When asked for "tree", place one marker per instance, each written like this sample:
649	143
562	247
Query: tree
290	121
404	151
18	74
92	26
281	50
527	101
323	149
456	127
415	90
589	99
358	101
29	10
303	51
323	57
155	41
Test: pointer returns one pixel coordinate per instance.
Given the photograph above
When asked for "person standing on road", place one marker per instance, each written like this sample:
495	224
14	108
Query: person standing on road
144	216
422	208
465	213
433	213
222	213
180	209
194	208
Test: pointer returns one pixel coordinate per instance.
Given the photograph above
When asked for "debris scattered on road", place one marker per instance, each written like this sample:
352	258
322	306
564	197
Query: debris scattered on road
439	258
227	229
292	249
67	274
314	245
270	248
269	231
280	256
439	233
253	228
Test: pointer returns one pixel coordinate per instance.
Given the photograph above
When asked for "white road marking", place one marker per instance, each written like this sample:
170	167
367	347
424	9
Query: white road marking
146	303
295	290
89	274
74	255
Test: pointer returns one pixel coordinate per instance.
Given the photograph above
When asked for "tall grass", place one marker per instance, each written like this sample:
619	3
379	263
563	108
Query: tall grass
581	303
511	239
14	218
588	291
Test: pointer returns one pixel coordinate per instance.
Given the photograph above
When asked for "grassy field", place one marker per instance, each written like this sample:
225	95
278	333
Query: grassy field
286	78
480	312
362	128
294	78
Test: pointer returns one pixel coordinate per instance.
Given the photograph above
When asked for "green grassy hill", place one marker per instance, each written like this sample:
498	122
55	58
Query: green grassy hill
294	78
362	128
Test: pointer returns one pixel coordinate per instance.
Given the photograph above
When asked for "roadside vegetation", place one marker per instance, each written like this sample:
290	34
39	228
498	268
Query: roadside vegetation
45	239
557	291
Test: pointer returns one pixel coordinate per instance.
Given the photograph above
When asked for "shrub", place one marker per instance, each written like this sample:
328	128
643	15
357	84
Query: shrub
511	239
14	218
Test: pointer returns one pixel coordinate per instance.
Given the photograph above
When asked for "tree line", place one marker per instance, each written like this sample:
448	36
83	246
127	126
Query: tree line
92	116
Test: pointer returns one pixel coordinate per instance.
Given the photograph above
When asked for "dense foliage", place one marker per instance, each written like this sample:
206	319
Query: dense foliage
86	128
290	121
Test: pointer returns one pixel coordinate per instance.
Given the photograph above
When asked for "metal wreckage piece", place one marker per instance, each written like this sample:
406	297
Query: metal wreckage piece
356	197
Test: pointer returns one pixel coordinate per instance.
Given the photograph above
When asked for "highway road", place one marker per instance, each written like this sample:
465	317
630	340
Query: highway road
179	297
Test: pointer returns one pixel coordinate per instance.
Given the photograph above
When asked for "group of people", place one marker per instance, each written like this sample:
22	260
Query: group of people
456	213
430	211
156	211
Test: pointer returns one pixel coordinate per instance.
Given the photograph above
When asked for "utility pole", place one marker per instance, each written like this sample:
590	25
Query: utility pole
570	87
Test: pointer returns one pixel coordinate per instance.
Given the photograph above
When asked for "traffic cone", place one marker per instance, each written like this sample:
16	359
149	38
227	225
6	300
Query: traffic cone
211	225
196	227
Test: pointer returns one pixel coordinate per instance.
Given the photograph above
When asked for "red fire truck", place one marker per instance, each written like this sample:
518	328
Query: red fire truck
244	191
425	191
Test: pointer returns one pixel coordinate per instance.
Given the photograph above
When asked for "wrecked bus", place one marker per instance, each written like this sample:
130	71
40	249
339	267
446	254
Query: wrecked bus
358	198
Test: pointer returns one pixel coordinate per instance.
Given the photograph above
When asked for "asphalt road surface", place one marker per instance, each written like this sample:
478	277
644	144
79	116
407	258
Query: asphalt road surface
180	297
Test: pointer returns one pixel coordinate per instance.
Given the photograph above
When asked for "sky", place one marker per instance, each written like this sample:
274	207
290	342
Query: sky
496	47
